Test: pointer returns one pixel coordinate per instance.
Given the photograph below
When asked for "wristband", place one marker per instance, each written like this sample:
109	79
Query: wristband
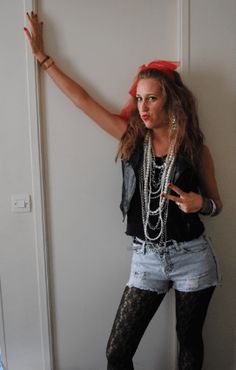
208	208
47	62
44	60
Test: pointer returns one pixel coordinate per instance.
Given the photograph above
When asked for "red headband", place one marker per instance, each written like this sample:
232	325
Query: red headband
164	66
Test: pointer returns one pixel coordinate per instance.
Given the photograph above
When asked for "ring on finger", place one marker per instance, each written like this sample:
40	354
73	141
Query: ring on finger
177	203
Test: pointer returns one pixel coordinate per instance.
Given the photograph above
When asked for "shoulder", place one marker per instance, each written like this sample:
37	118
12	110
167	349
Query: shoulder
206	160
137	152
206	154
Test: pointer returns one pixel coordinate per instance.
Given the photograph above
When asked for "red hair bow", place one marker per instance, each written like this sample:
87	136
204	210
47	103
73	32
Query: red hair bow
165	66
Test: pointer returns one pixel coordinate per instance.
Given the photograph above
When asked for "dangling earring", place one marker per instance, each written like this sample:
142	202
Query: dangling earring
173	125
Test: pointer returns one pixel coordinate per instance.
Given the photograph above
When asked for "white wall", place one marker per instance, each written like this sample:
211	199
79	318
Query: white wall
213	79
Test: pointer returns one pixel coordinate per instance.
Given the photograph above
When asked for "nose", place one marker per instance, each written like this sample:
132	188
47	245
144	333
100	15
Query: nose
144	106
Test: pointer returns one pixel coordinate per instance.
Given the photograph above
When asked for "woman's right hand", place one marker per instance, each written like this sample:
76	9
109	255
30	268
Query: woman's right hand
35	35
111	123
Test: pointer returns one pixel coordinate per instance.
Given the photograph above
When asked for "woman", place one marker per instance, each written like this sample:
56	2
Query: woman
168	179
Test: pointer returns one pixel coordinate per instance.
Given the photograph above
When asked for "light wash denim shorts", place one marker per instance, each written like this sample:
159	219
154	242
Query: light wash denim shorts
185	266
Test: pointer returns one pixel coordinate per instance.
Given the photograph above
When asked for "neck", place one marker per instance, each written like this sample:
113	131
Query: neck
160	141
160	135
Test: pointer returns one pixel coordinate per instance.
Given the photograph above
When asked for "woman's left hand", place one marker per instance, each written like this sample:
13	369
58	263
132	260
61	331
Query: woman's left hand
187	202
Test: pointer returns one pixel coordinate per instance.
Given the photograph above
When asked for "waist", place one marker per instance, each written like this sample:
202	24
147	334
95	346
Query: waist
144	245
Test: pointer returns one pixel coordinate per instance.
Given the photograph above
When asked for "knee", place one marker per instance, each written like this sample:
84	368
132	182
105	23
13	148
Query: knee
112	354
187	336
181	333
116	356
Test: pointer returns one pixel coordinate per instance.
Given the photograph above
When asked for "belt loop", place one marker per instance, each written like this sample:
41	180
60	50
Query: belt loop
177	245
144	248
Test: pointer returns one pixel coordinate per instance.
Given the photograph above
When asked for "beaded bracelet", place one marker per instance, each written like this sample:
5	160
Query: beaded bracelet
208	208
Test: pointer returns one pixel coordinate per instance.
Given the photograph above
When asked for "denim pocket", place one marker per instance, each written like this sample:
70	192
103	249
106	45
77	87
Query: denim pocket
195	247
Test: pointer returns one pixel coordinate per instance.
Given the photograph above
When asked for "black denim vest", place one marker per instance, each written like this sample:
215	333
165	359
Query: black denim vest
184	176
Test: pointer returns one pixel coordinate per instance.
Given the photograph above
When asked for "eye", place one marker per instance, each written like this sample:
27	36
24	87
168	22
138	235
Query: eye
138	99
152	98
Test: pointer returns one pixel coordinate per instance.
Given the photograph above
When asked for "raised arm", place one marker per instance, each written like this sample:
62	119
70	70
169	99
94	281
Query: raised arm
108	121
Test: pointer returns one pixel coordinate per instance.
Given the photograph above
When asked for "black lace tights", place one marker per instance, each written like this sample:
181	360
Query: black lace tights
191	309
135	311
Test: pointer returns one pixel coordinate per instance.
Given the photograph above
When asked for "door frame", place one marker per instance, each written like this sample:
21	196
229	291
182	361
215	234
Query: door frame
38	200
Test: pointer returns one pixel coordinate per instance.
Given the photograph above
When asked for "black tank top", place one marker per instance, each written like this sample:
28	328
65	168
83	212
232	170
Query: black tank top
180	226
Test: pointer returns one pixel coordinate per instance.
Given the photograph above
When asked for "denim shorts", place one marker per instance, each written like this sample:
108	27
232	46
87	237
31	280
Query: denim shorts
186	266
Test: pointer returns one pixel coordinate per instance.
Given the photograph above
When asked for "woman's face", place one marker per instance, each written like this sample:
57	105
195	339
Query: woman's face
150	103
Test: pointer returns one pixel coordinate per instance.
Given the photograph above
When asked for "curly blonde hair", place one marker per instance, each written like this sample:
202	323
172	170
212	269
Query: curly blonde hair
179	103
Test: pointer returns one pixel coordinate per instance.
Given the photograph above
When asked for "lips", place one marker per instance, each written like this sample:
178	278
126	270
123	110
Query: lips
145	117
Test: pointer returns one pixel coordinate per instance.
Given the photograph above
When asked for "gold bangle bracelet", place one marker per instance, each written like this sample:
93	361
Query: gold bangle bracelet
48	63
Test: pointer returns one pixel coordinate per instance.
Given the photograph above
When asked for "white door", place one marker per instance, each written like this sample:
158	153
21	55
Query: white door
100	44
24	330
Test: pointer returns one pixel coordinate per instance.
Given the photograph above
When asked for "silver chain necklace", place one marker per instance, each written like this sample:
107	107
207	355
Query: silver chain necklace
150	189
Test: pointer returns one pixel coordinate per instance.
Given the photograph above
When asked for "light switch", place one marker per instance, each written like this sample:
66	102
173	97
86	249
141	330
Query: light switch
21	203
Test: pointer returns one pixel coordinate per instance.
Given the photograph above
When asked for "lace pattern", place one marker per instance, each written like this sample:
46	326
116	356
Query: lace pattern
136	310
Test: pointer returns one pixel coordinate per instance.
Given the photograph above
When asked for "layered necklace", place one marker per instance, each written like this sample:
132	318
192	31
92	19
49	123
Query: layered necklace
155	217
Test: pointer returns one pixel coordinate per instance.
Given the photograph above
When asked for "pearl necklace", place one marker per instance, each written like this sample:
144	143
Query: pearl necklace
150	190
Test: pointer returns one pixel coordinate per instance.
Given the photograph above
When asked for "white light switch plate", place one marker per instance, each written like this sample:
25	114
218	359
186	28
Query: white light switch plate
21	203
